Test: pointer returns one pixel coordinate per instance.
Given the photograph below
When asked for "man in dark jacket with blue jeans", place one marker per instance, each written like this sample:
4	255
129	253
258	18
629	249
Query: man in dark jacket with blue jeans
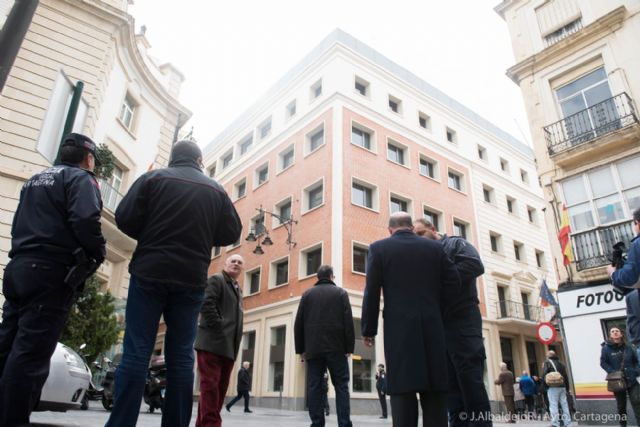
177	215
325	336
467	399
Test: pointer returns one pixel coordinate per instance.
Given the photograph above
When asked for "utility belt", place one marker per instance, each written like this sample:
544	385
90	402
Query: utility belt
79	272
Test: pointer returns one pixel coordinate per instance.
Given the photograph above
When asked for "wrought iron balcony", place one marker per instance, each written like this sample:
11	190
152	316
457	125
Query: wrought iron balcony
589	124
593	248
110	196
508	309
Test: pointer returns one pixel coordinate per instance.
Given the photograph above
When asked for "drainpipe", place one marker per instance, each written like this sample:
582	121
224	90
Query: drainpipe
71	115
12	35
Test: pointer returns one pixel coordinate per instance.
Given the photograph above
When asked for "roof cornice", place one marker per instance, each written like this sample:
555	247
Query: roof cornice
562	49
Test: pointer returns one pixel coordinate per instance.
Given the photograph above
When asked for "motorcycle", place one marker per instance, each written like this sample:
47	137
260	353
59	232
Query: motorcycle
92	393
108	384
155	386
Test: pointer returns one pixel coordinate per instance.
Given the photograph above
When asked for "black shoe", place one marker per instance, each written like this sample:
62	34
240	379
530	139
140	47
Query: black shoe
383	417
227	408
248	411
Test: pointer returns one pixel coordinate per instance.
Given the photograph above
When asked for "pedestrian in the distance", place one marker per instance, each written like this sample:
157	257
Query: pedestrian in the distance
177	215
243	388
506	381
616	355
324	337
381	387
557	393
58	215
529	389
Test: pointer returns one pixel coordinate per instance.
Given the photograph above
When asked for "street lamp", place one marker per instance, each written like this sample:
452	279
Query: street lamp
255	235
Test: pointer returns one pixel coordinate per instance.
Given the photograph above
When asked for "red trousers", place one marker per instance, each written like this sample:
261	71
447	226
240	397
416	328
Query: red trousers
214	373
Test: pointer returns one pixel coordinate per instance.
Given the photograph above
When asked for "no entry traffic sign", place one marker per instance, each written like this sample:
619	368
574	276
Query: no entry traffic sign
546	333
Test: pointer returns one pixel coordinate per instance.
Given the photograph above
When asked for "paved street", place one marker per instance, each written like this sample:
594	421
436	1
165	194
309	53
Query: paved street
96	417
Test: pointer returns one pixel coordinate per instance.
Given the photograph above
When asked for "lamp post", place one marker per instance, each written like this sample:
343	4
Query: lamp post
256	234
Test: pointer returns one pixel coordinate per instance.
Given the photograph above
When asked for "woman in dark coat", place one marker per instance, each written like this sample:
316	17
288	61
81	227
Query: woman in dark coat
616	354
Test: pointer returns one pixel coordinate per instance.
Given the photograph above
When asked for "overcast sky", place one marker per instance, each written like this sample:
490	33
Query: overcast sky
232	52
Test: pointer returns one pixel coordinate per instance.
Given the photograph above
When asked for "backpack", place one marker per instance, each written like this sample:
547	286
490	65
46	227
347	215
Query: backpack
554	378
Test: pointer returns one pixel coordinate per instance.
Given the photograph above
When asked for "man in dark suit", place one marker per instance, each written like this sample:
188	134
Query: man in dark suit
381	387
324	336
418	280
243	387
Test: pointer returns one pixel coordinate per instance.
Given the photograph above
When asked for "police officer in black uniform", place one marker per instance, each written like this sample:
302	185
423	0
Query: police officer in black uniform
57	223
467	399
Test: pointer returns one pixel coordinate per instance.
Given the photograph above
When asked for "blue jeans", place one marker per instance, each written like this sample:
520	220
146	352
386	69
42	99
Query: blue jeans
339	370
146	303
558	395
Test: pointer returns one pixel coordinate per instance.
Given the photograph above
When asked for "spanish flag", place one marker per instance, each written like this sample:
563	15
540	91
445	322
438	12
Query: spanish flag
563	237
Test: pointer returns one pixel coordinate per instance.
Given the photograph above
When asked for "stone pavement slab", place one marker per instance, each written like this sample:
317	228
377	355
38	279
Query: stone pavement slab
96	416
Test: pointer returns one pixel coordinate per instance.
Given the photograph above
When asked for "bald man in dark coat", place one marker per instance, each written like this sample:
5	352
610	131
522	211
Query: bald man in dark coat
418	280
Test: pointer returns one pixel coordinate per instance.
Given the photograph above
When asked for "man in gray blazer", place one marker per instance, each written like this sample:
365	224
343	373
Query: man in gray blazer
218	339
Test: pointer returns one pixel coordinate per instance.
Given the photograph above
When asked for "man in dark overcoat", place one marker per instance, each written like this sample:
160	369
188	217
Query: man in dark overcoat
418	280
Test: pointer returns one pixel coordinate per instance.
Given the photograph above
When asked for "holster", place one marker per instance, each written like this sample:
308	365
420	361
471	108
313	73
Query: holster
81	270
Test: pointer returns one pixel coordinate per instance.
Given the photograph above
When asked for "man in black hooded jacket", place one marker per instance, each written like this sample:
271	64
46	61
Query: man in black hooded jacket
467	399
177	215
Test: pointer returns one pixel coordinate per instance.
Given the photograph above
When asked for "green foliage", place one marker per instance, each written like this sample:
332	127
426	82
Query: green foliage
105	170
92	321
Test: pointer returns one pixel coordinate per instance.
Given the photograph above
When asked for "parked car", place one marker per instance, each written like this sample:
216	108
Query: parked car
67	382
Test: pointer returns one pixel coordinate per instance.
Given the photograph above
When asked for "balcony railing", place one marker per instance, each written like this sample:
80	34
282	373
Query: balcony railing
110	196
508	309
591	123
593	248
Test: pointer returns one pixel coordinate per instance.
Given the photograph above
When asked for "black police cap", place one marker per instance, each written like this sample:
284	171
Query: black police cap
81	141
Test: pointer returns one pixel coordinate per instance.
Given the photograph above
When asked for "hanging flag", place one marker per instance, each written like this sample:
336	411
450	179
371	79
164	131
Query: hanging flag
564	238
546	296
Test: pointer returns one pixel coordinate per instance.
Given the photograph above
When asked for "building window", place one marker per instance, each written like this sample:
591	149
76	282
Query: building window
424	121
227	159
495	241
395	104
539	258
127	111
212	171
452	135
597	198
459	229
362	86
262	175
216	251
432	216
291	109
314	140
362	195
511	204
488	194
531	214
583	107
311	260
313	196
482	152
111	189
257	224
249	348
502	301
240	188
399	204
525	305
316	89
279	274
246	144
396	153
455	181
428	167
363	367
265	128
518	250
276	358
360	137
563	32
283	209
504	165
286	157
252	278
360	255
524	176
